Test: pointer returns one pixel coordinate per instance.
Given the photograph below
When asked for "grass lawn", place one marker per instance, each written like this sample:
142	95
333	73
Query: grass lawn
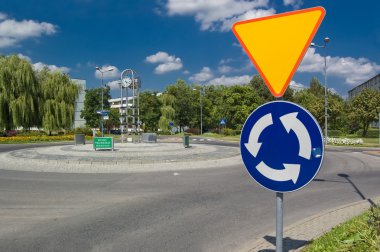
360	234
222	137
368	142
374	141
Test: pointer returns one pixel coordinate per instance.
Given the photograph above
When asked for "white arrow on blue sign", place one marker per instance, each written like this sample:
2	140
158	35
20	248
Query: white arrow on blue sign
282	146
223	122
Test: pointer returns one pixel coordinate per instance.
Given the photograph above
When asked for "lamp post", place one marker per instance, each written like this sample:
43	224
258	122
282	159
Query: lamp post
200	101
326	40
102	71
378	111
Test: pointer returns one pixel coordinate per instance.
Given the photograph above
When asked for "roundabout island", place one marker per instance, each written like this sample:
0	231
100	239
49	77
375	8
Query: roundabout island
127	157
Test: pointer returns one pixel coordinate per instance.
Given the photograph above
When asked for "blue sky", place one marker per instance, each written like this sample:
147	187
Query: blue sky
166	40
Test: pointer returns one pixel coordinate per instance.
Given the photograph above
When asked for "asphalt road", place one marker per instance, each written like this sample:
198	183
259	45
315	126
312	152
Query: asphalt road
219	209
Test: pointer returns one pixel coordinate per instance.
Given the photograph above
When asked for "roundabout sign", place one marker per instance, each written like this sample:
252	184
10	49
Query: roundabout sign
282	146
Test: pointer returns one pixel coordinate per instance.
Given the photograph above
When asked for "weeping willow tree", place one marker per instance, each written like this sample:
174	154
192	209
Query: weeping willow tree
167	111
58	93
19	91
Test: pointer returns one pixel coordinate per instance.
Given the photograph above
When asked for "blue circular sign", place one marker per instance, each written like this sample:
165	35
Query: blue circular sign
282	146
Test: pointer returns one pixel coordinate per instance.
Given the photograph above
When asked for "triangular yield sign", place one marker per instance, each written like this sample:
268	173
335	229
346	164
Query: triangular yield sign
277	44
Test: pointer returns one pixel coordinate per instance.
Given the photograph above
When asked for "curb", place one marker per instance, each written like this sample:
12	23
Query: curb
299	234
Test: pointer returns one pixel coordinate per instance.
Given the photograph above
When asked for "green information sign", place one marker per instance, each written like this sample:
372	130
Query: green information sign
103	143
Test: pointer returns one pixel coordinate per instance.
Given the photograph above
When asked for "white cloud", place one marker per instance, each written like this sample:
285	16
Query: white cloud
159	57
114	85
204	75
333	90
218	15
296	86
229	81
3	16
168	67
224	69
235	44
186	72
225	61
251	14
115	73
12	31
39	66
22	56
6	42
167	62
354	71
294	3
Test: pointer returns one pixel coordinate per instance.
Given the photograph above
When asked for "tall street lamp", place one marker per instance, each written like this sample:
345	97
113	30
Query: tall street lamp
378	111
326	40
200	101
103	71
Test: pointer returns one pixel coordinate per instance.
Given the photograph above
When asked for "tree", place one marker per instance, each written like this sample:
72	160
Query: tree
167	111
150	110
363	108
313	99
262	90
113	120
235	103
184	105
210	96
59	94
316	87
19	94
92	103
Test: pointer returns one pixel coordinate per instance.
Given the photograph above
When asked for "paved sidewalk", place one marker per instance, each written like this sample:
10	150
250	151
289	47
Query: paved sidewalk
299	234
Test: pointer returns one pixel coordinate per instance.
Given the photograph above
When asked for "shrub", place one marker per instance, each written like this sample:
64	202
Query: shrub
228	132
334	133
83	130
193	131
10	133
237	132
31	133
371	133
165	132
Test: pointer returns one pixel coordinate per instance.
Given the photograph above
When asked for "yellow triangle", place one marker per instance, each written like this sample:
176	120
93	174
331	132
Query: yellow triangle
277	44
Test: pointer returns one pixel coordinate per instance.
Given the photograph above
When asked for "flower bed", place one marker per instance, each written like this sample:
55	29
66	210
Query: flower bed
33	139
344	141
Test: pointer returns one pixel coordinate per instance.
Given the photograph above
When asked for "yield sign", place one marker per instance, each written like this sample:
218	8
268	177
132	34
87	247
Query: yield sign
277	44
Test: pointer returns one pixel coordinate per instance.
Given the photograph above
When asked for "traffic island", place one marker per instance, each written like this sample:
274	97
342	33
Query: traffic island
127	157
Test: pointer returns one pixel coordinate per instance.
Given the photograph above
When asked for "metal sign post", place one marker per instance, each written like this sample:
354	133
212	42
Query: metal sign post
279	221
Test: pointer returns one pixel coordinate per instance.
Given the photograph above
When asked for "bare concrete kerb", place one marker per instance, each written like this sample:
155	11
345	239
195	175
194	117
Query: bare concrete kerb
143	157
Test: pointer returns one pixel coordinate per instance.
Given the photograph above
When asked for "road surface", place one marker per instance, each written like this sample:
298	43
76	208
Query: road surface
216	209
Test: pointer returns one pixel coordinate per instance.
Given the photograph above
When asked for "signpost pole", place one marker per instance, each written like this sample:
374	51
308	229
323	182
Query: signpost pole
279	215
279	221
